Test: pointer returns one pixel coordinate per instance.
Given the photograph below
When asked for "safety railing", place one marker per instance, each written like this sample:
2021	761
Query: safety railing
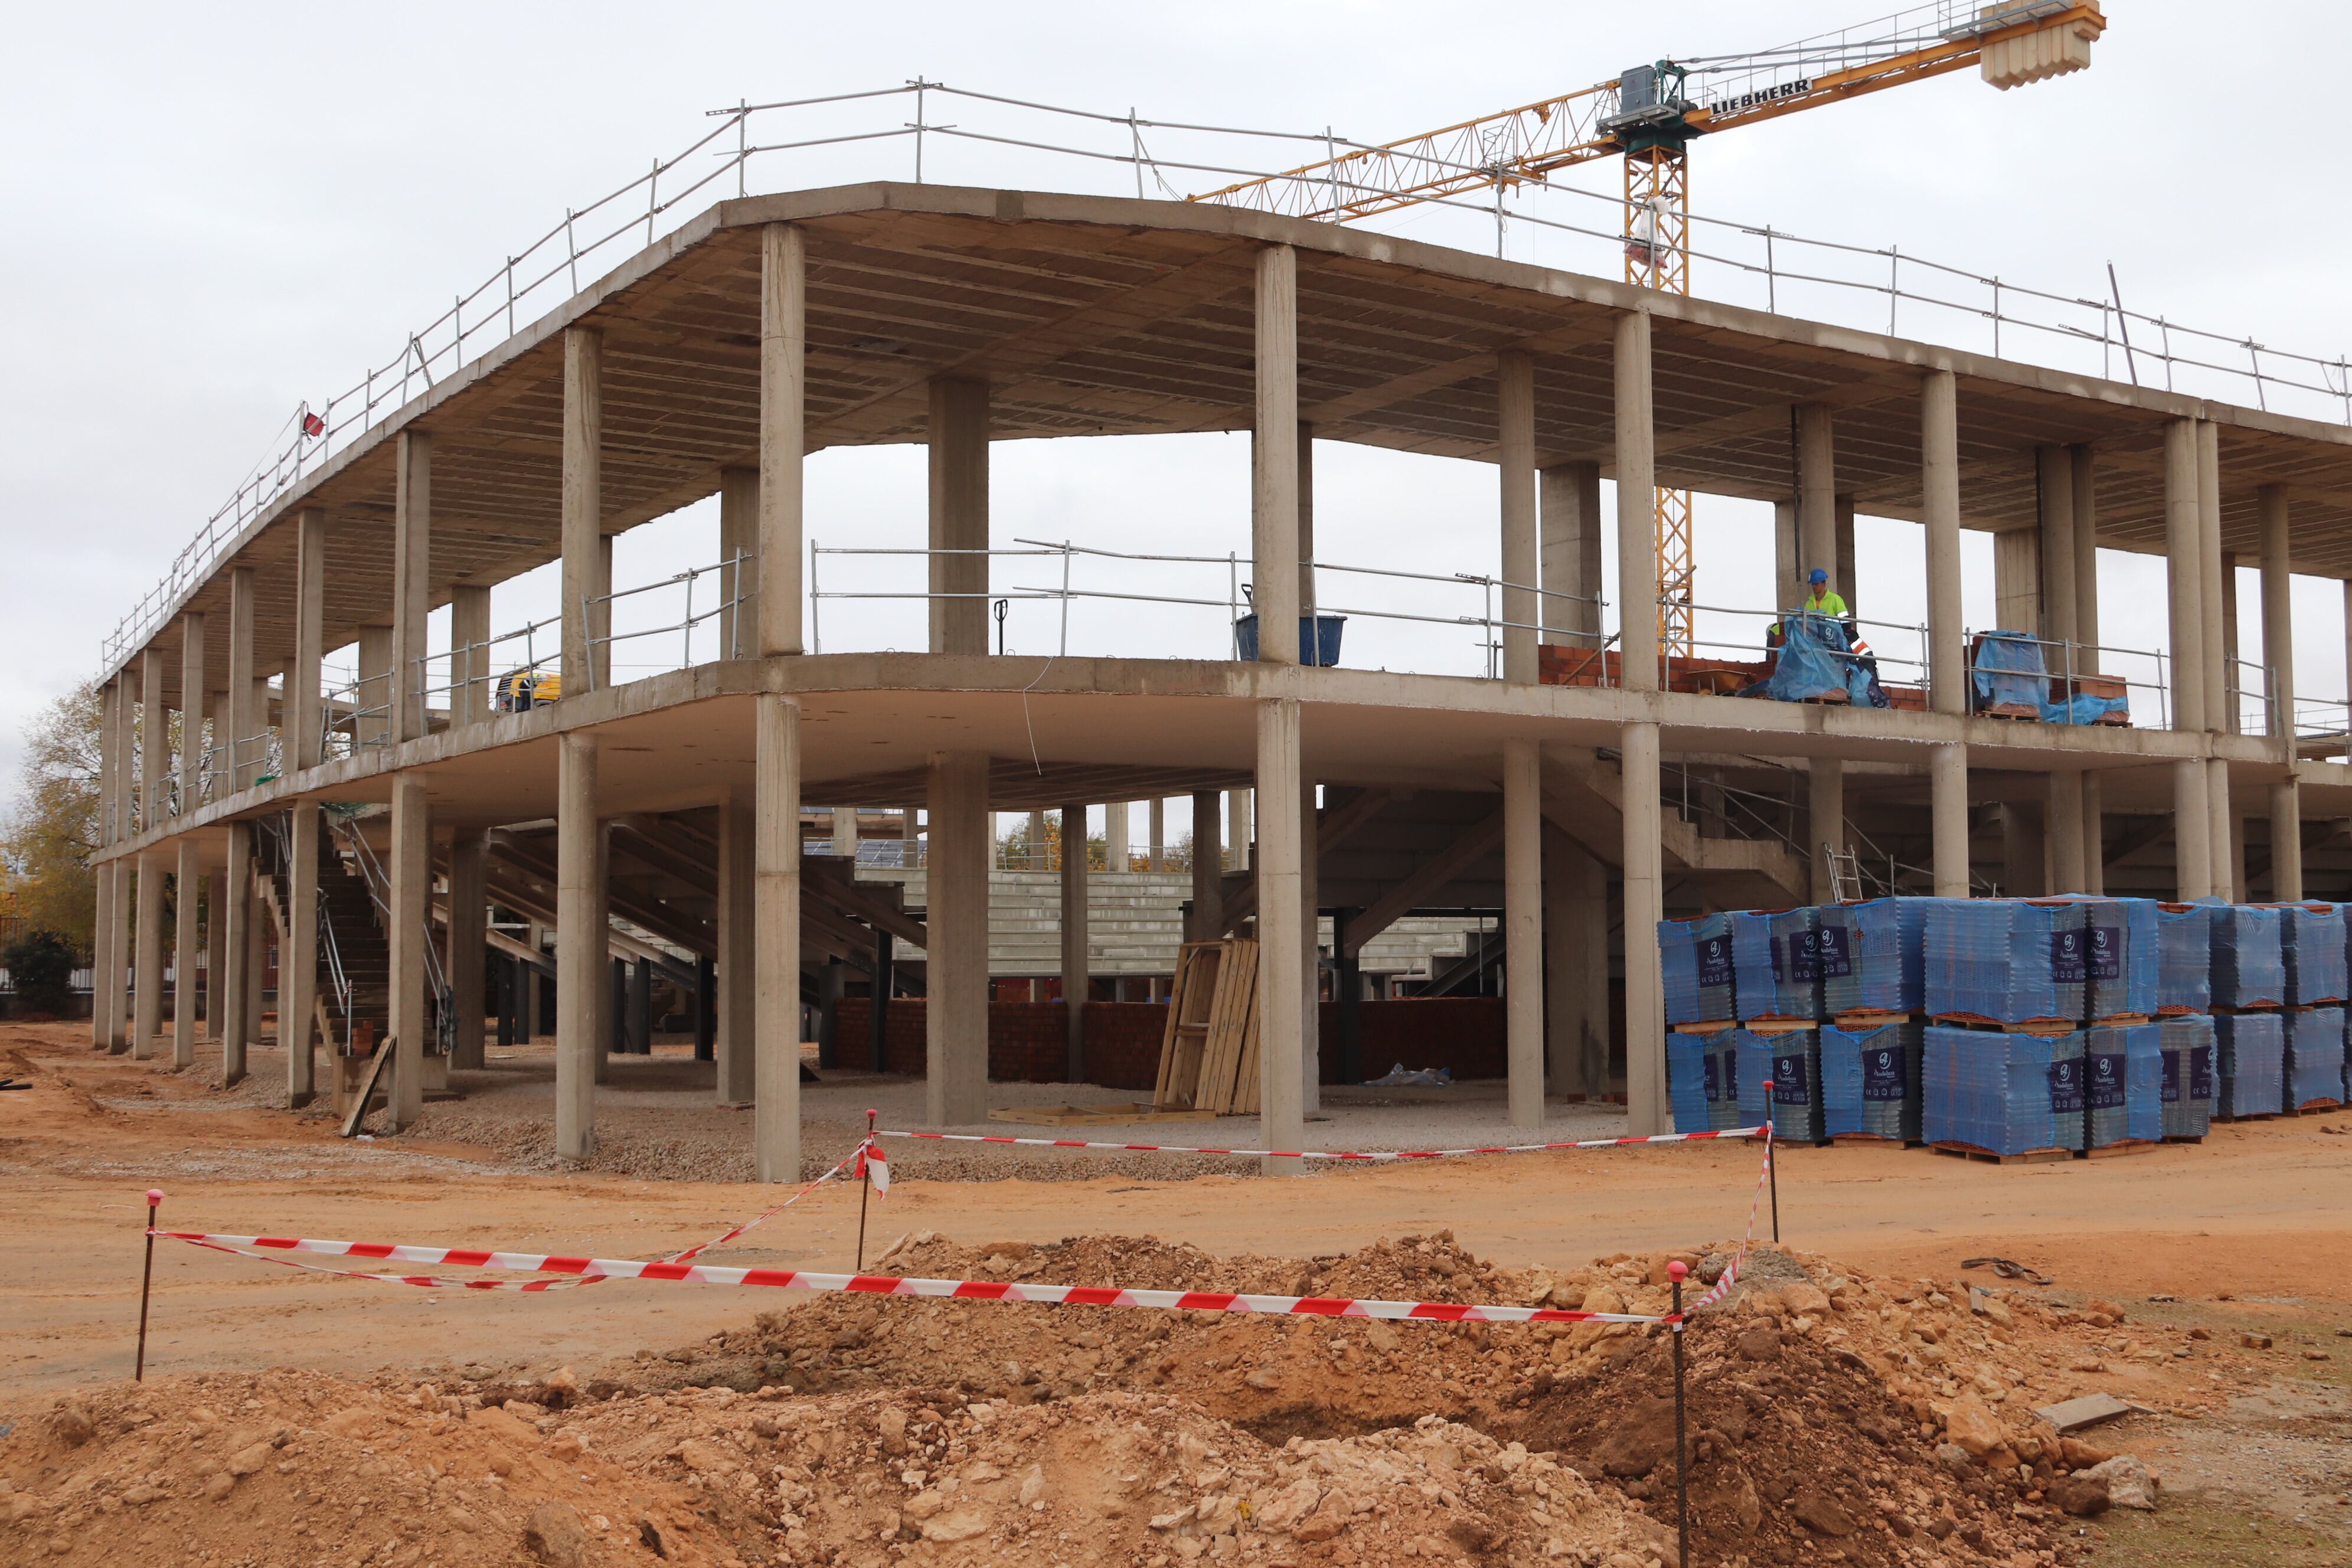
844	137
2323	724
2248	701
533	648
731	591
1229	571
1911	668
279	826
355	716
1733	805
2069	666
379	887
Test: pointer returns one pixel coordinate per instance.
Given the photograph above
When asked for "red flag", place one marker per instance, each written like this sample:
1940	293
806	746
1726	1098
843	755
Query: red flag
312	425
874	1166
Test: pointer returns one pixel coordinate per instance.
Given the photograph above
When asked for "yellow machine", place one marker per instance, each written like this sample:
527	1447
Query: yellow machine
519	690
1648	116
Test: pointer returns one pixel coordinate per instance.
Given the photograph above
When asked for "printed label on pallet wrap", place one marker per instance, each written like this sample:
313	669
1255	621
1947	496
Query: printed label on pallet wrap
1788	1084
2067	967
2106	1080
1882	1074
2066	1085
1715	961
2200	1072
2106	953
2170	1094
1836	958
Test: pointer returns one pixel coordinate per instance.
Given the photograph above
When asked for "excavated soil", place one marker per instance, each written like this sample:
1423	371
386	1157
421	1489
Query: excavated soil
1830	1418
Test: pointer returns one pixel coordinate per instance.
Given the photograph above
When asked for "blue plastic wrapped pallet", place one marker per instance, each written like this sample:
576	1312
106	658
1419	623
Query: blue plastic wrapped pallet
1871	956
2184	958
2124	970
2006	1094
2311	945
1792	1063
1702	1079
2122	1084
2009	676
2314	1064
1696	958
2251	1058
2186	1043
2248	964
1870	1082
1775	971
2008	960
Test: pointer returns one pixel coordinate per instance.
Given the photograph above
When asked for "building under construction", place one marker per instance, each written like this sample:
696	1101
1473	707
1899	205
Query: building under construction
1591	780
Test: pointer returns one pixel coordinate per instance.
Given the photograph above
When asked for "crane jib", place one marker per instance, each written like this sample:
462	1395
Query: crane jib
1738	102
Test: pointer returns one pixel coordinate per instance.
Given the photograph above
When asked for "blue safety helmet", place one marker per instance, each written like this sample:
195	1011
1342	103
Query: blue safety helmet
1820	575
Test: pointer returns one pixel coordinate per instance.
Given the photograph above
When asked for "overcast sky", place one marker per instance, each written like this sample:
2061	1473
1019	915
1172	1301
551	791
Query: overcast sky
217	212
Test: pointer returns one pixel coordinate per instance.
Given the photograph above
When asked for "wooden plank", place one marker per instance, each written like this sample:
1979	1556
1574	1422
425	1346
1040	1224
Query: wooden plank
381	1060
2025	1157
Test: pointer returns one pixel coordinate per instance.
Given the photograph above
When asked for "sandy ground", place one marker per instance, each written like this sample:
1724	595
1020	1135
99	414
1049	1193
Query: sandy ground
2251	1231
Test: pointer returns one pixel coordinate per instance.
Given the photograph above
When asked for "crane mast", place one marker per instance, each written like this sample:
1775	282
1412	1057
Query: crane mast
1648	116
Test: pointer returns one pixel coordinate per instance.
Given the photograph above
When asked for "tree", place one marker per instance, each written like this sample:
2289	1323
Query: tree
51	828
40	966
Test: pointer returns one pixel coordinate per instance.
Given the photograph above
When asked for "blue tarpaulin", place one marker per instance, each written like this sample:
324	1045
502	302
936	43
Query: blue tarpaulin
2011	673
1792	1061
2008	960
2184	957
2249	962
2314	1068
2124	968
2252	1064
1703	1080
1870	1082
2123	1083
2002	1092
1870	956
2186	1089
1776	967
1815	658
1695	956
2311	940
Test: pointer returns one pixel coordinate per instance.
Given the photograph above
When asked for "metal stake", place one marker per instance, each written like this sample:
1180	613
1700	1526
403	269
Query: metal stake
1771	1165
1675	1271
146	1281
864	1187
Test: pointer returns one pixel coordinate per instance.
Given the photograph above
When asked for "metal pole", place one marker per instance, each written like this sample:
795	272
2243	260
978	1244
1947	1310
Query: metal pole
865	1187
1771	1165
146	1281
1675	1271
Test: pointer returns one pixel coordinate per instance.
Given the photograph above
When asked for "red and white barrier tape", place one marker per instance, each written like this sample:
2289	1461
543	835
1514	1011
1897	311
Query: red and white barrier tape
1731	1276
893	1284
1364	1156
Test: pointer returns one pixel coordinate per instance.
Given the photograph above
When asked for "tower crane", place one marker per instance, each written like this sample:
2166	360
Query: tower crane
1648	116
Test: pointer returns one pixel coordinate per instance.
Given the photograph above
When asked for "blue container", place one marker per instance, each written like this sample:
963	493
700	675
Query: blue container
1875	959
2311	943
2249	959
2008	960
2124	970
1318	635
1703	1080
1695	956
2185	1091
1870	1082
2006	1094
1792	1061
1776	967
2314	1066
2251	1061
2122	1084
2184	958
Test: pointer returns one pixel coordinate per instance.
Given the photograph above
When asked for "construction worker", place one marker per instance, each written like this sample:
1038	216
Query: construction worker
1825	600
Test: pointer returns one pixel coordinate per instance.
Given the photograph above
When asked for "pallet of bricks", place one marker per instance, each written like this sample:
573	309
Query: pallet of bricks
2279	990
1823	1003
1207	1058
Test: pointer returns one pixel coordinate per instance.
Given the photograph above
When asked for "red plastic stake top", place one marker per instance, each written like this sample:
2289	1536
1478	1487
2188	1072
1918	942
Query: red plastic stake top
1677	1270
154	1196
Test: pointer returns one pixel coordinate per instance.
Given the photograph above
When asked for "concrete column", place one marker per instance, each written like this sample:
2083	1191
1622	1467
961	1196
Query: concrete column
1274	488
411	561
2024	851
1787	558
1516	453
1646	1108
2017	581
1116	829
2094	833
1282	1120
1844	572
960	524
1523	952
1310	950
470	918
1075	974
2066	819
1306	594
955	1018
1039	857
193	691
243	747
187	945
2217	591
1637	511
255	964
473	683
410	868
2083	480
147	1019
587	575
1939	478
1208	891
739	548
1155	819
1948	781
776	924
2183	542
297	963
580	946
372	694
2054	478
2231	720
737	974
104	940
105	934
2224	832
215	954
784	414
1576	968
1241	830
1571	499
155	743
2278	614
1817	490
1826	808
601	923
845	831
2286	841
2192	831
304	737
